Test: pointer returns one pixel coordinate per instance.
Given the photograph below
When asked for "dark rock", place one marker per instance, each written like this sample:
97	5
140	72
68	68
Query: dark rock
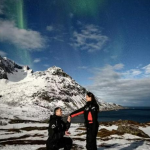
132	130
8	66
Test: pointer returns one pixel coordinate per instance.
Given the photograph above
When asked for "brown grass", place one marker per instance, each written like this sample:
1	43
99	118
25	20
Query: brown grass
21	137
84	129
24	129
23	142
14	121
123	122
83	133
105	133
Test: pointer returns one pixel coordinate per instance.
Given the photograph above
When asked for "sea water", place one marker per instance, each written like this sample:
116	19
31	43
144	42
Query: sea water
139	114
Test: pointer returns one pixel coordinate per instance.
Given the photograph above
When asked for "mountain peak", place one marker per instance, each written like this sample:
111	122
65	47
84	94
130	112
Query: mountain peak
55	68
58	71
9	70
35	95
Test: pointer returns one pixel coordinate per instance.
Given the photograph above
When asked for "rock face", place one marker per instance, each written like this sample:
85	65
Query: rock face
8	67
25	93
132	130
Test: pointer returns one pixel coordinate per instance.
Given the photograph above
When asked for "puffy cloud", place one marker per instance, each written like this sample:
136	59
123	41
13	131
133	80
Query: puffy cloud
118	66
114	57
147	69
50	28
89	38
37	60
118	87
46	65
2	53
27	39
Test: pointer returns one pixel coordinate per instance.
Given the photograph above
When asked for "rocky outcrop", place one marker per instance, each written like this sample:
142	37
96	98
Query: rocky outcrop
124	122
124	126
8	66
132	130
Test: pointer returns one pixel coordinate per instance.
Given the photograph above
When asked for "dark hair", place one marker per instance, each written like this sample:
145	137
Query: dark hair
94	100
56	109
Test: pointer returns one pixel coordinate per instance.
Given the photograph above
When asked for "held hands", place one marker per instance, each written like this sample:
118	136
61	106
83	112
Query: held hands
69	119
67	133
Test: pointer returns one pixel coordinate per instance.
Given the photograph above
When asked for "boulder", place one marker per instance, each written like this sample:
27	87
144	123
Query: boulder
132	130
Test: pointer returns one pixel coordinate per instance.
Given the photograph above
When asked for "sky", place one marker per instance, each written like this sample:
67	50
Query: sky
102	44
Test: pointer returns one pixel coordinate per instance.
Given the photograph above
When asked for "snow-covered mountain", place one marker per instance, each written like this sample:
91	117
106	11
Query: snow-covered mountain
25	94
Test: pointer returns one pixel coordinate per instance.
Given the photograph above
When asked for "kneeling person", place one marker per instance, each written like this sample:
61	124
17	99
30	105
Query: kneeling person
57	129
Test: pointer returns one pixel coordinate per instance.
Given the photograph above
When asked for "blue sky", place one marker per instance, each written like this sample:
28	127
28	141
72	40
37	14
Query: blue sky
102	44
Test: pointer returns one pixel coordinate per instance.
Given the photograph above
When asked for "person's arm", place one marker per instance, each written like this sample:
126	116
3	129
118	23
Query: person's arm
77	112
68	123
53	131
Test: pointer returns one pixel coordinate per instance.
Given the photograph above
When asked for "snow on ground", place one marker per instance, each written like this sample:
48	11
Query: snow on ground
22	125
20	99
122	144
110	128
146	130
21	147
28	112
113	142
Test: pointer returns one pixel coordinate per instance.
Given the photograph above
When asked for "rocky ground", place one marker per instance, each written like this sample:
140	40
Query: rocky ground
117	135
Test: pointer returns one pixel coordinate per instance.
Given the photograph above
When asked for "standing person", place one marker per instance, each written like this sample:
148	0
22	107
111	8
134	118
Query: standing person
57	129
90	111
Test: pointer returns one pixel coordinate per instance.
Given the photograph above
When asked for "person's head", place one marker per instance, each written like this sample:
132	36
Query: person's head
90	97
58	111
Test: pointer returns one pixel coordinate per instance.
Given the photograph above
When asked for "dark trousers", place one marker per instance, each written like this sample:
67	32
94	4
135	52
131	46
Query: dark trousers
91	138
64	142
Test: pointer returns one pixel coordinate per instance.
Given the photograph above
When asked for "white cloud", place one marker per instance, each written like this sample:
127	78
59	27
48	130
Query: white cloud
2	53
114	57
50	28
147	69
27	39
112	86
89	38
140	65
57	29
37	60
118	66
132	73
46	65
136	72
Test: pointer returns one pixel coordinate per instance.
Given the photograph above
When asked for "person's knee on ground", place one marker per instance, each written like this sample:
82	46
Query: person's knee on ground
68	144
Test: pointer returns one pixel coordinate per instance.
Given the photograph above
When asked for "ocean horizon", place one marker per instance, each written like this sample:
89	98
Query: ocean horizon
139	114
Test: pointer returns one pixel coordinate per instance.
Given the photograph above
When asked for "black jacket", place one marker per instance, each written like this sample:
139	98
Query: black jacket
57	128
90	111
